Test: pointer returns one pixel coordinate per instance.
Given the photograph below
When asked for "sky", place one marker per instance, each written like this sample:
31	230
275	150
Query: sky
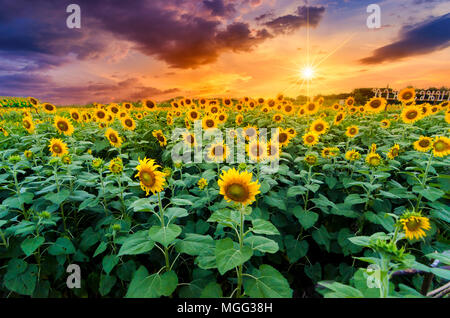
160	49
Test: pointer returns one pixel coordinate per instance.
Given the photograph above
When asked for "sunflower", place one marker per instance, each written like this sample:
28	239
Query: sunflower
339	118
209	122
311	108
66	159
273	150
28	124
150	178
311	159
292	132
411	114
352	155
414	225
28	154
447	117
310	139
116	165
288	109
202	183
64	126
214	109
407	95
250	132
238	187
49	108
350	101
75	115
336	106
33	101
375	105
352	131
441	146
4	131
158	134
257	150
373	159
393	152
283	137
127	105
330	152
239	120
128	123
193	115
385	123
101	115
189	139
277	118
222	118
169	120
113	137
218	152
57	147
114	108
424	144
319	126
149	104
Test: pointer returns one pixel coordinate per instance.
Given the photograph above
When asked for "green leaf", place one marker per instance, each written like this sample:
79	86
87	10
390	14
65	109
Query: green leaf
109	262
58	198
322	237
31	244
295	190
168	283
228	256
165	235
261	226
62	246
106	284
212	290
262	244
431	194
306	219
193	244
295	249
267	282
21	277
144	286
171	213
178	201
341	290
100	248
137	243
226	217
444	258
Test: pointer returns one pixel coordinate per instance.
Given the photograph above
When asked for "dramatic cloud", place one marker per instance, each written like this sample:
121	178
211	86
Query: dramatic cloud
219	8
45	89
429	36
291	22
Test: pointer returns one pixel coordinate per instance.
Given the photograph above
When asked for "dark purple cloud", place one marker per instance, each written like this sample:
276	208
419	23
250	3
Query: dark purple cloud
291	22
426	37
219	7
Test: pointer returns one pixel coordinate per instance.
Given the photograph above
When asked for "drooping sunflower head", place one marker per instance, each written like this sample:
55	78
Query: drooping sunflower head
149	177
411	114
319	126
57	147
49	108
339	118
441	146
116	165
424	144
414	225
352	131
407	95
385	123
238	187
310	139
311	159
373	159
63	126
393	152
28	124
113	137
352	155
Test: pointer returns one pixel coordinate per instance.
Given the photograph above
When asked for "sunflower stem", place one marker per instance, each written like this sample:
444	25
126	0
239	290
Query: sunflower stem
424	180
166	250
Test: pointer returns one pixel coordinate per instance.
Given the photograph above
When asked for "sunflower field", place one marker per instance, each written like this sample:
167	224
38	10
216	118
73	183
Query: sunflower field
357	207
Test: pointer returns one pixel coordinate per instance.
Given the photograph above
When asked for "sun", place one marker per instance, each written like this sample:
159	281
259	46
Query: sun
307	73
